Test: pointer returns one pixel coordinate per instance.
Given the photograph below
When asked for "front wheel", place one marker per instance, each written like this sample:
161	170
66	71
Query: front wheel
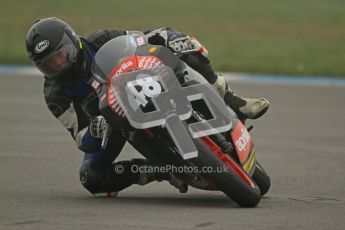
234	182
261	179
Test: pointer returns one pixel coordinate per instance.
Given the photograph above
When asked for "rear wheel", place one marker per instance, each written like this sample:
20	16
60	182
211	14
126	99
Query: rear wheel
261	179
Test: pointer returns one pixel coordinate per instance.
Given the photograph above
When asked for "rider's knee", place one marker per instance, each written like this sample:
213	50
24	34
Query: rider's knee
91	179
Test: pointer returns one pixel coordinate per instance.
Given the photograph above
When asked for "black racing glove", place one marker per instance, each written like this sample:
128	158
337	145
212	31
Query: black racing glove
98	126
179	43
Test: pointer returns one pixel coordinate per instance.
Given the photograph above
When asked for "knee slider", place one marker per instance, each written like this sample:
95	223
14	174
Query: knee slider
92	180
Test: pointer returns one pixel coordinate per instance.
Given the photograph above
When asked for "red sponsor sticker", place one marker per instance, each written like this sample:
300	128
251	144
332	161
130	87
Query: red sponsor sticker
114	104
147	62
128	64
242	141
136	62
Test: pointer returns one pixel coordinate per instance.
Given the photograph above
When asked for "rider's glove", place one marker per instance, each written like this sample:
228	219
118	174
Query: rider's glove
98	126
179	43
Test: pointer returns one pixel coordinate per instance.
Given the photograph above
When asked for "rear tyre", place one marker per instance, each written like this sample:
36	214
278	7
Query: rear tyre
261	179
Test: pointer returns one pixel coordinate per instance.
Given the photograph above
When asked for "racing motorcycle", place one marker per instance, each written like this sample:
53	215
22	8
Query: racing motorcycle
155	99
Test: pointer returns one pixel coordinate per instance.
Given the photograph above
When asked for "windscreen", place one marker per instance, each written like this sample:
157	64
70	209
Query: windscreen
111	54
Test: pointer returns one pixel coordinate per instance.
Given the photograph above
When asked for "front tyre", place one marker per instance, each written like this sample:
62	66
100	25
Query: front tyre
261	179
234	182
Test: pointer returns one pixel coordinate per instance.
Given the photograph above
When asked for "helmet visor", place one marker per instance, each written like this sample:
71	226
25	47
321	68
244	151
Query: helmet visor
60	60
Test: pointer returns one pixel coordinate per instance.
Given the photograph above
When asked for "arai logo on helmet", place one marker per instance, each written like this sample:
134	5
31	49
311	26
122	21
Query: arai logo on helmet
41	46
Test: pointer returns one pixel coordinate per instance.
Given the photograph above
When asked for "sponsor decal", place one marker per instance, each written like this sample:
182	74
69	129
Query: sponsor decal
242	140
124	66
128	64
136	62
147	62
152	49
41	46
248	166
114	103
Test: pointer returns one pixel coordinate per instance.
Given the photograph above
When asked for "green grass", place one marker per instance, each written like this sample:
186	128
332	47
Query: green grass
305	37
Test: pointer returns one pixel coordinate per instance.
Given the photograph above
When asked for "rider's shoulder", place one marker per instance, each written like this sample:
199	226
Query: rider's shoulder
101	36
52	87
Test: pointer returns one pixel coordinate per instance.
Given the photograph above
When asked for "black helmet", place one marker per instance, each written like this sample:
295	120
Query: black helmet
52	46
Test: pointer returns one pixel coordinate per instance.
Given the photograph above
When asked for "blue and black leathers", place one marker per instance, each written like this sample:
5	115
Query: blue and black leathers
73	102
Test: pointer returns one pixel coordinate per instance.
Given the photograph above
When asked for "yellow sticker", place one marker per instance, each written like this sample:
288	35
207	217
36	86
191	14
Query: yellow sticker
152	49
248	166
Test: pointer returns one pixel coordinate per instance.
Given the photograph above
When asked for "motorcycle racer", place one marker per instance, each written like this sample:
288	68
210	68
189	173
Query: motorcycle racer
65	60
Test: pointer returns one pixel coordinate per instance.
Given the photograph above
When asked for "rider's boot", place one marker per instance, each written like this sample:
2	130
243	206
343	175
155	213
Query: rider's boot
245	108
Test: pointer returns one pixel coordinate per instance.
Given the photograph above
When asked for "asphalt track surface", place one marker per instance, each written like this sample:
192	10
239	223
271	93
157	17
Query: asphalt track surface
300	142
